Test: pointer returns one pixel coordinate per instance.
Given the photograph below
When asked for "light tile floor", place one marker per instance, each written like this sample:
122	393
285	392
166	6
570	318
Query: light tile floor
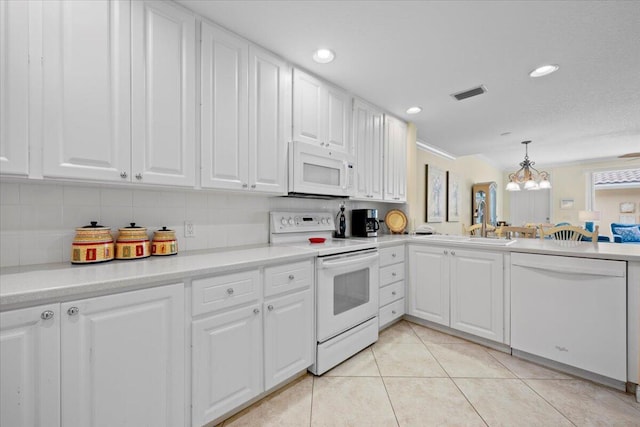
415	376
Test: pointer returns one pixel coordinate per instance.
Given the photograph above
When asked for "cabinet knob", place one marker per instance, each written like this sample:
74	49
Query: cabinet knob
393	274
453	252
270	307
393	255
446	252
253	186
393	293
46	315
138	176
230	291
123	175
73	311
291	277
244	185
256	310
393	312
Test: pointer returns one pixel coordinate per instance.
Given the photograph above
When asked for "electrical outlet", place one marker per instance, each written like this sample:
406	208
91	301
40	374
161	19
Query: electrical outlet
189	229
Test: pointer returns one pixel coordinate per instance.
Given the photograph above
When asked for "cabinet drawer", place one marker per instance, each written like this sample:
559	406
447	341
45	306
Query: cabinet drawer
391	293
391	255
391	273
287	277
390	312
216	292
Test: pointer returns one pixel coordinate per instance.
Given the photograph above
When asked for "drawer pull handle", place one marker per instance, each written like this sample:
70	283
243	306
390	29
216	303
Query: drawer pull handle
393	312
291	277
230	291
393	293
256	311
73	311
394	274
46	315
270	307
393	255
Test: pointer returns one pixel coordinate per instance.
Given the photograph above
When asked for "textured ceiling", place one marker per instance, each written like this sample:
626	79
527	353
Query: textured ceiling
401	53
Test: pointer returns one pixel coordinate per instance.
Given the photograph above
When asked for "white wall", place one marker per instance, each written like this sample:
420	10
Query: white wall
38	220
472	170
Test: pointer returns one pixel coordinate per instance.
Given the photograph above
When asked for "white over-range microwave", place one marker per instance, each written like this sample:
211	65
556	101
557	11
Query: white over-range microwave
320	171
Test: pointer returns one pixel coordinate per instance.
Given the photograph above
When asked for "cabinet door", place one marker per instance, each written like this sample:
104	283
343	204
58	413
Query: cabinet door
123	359
224	123
30	367
269	121
288	337
163	93
395	160
477	293
375	146
361	137
429	283
226	362
308	109
337	119
14	87
86	92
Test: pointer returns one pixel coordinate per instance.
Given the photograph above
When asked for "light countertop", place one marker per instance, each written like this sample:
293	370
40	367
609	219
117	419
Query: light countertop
39	284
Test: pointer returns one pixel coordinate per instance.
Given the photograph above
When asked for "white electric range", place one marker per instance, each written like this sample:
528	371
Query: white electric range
346	284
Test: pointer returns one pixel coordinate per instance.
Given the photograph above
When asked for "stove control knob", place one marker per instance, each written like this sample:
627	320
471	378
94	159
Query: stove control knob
283	221
324	220
291	222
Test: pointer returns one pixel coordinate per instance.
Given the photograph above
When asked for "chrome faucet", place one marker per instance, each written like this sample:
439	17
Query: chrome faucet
482	207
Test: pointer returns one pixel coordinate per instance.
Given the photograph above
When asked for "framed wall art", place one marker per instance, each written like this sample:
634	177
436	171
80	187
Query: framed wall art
627	207
566	203
435	197
454	201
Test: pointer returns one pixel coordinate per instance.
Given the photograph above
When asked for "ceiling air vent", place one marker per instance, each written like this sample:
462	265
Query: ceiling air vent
469	93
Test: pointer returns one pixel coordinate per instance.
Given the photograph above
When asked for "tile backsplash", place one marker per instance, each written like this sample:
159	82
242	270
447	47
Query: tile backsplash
38	220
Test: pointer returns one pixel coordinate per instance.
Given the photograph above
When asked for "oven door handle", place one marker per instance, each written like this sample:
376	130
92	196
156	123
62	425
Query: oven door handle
353	261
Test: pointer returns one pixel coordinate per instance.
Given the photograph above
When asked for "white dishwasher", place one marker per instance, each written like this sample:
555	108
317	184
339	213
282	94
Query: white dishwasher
571	310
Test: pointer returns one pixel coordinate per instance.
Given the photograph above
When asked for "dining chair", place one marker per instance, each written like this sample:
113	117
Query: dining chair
510	231
569	232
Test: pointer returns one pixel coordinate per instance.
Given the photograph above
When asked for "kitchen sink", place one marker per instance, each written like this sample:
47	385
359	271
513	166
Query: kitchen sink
466	239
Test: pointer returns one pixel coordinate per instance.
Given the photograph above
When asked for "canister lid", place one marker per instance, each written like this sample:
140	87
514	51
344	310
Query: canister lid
93	226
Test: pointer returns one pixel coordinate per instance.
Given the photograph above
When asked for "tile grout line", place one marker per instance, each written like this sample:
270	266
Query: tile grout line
313	387
375	359
550	404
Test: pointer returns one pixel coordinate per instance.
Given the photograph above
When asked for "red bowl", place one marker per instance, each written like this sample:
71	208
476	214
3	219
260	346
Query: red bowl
317	239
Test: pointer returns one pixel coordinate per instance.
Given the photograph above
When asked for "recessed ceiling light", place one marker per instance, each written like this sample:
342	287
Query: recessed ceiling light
414	110
544	70
323	55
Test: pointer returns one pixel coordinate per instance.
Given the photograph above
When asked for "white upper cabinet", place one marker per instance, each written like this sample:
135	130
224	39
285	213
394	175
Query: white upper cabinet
163	86
86	89
395	160
321	113
244	114
14	87
368	124
269	120
224	126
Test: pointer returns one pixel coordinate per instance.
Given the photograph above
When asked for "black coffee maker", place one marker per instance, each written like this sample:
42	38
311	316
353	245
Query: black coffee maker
364	223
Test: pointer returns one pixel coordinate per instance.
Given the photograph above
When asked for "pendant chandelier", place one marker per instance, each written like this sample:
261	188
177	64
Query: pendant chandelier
528	176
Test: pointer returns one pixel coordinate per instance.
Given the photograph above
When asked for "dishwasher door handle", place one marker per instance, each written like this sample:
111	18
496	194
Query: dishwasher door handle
565	269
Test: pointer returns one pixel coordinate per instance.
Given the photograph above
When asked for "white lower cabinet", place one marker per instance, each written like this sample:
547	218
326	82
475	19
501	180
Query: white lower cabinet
115	360
391	297
123	359
227	362
287	325
249	344
30	367
459	288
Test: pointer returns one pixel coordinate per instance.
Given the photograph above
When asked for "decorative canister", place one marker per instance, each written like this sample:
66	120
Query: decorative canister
93	243
164	242
132	243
